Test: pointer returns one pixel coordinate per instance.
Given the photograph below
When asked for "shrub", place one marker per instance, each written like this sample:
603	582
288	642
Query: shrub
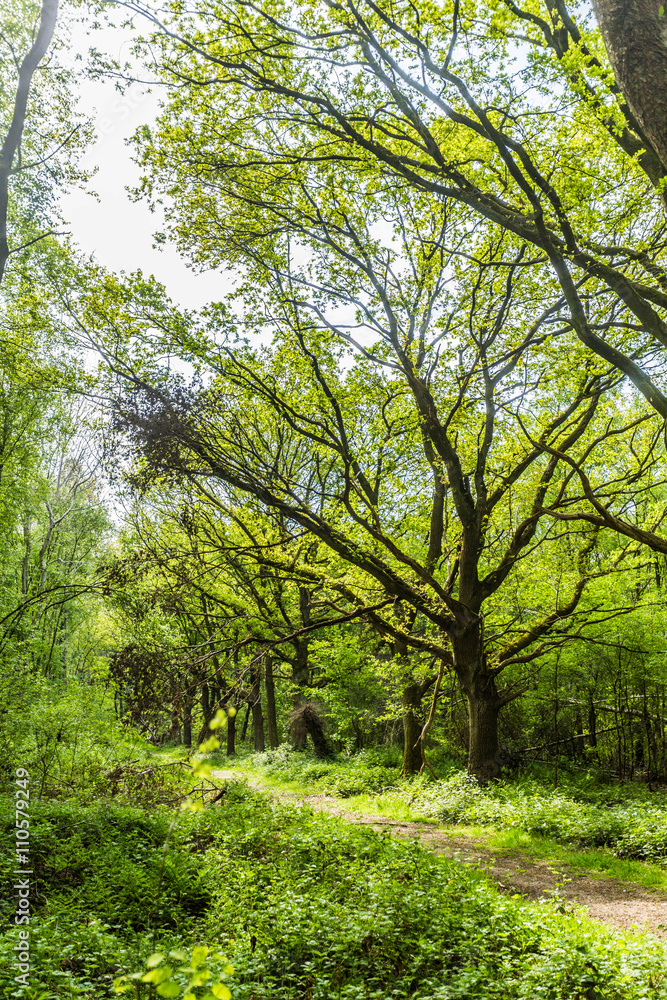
365	772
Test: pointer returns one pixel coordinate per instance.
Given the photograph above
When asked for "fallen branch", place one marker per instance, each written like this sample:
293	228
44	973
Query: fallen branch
570	739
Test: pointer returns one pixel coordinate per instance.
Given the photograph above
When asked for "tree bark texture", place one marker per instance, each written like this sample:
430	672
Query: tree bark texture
206	713
484	702
306	722
483	710
231	735
257	714
271	720
412	727
300	670
244	730
635	37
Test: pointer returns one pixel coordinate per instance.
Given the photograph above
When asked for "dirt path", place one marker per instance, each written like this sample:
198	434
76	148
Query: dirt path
622	904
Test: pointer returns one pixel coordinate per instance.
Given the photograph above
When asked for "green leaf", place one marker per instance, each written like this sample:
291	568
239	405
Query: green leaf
154	960
219	719
221	991
169	989
201	770
200	978
198	955
212	743
157	975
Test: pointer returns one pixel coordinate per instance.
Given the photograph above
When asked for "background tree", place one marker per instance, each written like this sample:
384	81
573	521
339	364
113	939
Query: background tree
41	131
230	580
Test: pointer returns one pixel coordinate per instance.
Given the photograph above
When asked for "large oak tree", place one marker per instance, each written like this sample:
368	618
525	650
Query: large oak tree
417	414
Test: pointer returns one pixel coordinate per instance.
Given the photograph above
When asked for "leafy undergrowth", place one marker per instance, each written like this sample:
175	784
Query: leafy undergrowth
303	906
74	747
629	820
583	812
366	772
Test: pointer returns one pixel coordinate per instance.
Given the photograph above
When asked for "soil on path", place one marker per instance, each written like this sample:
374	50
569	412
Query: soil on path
621	904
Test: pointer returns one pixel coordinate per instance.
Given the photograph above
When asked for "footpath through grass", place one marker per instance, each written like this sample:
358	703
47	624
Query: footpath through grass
302	905
589	826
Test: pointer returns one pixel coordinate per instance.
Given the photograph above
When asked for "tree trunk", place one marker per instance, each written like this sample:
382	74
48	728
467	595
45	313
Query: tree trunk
244	728
300	678
187	723
271	721
206	712
306	719
300	670
65	642
25	564
231	734
12	140
256	704
635	36
484	702
412	727
483	709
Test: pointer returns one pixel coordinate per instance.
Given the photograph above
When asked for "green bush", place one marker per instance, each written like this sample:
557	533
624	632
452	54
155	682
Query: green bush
70	745
104	862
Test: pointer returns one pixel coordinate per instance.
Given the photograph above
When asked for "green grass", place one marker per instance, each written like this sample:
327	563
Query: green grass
596	864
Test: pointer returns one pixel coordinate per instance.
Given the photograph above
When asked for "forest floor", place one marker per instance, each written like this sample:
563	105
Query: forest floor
613	901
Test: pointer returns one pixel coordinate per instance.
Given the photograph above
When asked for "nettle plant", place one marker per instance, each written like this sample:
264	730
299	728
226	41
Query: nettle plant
198	975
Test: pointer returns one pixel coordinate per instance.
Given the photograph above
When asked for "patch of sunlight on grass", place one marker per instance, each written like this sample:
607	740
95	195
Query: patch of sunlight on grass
599	863
168	754
389	805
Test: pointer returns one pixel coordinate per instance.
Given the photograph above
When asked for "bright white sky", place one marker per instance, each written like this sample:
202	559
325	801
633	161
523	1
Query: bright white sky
117	230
